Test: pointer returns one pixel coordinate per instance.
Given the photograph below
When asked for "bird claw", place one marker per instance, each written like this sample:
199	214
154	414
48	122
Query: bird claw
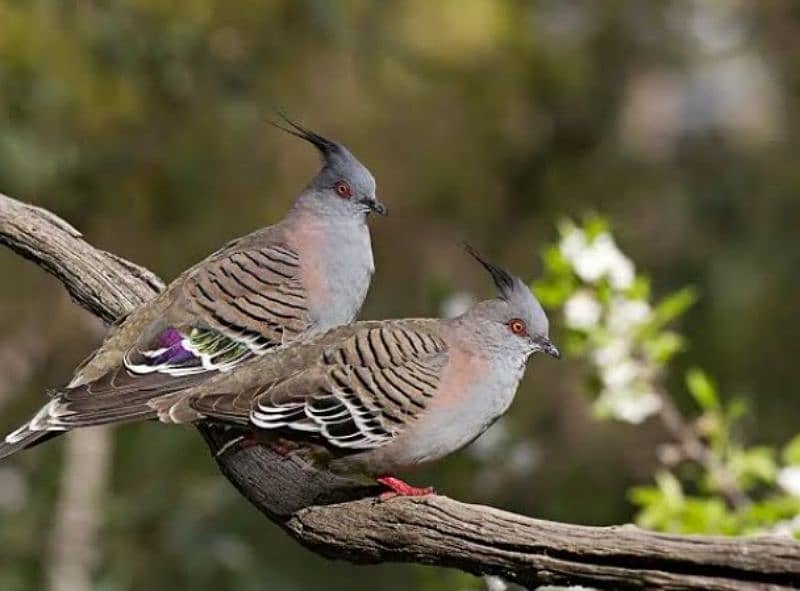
398	488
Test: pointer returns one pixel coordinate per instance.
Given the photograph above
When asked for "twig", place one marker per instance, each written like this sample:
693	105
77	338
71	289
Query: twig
694	449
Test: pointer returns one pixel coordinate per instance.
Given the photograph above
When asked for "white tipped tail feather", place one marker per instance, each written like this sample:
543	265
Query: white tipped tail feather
42	426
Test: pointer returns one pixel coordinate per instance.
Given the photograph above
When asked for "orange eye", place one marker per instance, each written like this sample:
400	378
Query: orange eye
518	327
343	190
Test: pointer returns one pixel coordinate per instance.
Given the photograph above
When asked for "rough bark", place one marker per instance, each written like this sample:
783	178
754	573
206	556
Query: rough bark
332	517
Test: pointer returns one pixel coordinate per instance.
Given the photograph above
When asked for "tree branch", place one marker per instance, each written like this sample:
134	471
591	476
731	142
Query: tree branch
430	530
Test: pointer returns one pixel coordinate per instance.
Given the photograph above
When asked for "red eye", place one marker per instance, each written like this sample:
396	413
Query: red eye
518	327
343	189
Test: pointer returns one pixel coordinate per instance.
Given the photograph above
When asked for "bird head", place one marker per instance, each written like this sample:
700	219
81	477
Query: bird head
343	184
515	318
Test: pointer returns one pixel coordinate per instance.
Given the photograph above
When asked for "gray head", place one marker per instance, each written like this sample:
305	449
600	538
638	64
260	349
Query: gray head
515	319
344	185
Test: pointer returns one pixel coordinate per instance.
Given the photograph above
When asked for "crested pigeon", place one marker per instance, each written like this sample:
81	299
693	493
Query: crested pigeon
369	398
304	275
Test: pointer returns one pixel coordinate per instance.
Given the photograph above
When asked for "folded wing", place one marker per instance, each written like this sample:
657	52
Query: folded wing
359	393
240	305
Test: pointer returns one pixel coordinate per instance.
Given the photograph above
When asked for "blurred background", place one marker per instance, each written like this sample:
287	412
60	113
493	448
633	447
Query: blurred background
142	123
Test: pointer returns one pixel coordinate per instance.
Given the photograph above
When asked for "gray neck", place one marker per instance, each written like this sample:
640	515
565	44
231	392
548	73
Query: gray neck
336	258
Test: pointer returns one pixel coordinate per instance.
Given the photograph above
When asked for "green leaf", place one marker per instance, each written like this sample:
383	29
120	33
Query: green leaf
662	347
666	508
594	226
707	515
736	409
554	262
763	515
655	513
702	389
604	292
644	496
670	487
575	343
554	292
753	466
640	290
674	305
791	452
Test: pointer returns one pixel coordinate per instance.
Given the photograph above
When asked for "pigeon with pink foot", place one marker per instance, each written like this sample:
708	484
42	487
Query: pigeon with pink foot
367	399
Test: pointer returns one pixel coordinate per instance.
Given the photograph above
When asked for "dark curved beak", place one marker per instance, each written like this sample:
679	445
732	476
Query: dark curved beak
548	347
378	207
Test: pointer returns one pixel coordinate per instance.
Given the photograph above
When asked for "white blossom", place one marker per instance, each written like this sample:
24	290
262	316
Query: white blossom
636	409
582	311
592	263
621	375
627	391
573	243
611	352
789	480
626	315
598	259
621	272
616	266
632	406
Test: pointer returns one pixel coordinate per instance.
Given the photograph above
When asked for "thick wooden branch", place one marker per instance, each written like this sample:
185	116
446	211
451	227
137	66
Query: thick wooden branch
330	515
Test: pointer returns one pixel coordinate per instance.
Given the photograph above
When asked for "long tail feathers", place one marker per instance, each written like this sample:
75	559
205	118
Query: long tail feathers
29	439
30	434
103	402
59	416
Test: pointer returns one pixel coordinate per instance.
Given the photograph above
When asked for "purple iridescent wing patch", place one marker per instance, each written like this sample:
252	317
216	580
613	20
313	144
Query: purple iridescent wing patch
176	353
171	341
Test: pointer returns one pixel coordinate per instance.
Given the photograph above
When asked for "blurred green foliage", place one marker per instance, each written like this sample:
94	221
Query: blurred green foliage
736	489
141	122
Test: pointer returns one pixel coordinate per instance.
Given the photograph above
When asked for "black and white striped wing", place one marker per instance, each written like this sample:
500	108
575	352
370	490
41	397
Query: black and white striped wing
244	303
363	392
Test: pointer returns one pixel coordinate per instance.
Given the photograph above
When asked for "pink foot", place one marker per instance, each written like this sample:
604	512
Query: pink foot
398	488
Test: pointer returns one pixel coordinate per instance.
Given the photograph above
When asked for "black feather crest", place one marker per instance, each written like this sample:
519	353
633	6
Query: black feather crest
502	278
323	144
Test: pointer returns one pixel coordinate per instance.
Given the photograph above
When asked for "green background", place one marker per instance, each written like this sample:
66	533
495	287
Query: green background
142	123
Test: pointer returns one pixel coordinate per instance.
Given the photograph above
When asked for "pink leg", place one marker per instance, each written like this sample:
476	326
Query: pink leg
398	488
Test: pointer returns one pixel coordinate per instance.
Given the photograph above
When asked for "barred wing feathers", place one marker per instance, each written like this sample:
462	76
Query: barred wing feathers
359	394
241	304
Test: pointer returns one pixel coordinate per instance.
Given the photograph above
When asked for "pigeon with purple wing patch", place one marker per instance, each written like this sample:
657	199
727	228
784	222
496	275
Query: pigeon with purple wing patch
304	275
